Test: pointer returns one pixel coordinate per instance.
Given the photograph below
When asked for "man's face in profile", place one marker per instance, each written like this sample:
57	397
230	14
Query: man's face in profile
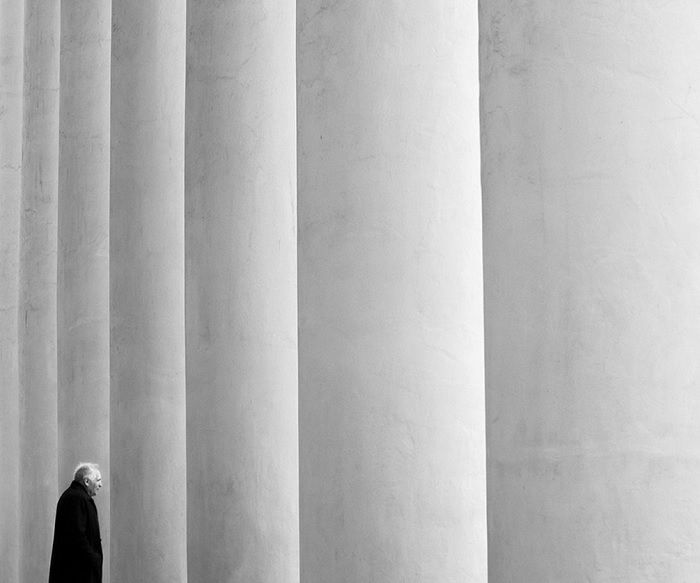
94	483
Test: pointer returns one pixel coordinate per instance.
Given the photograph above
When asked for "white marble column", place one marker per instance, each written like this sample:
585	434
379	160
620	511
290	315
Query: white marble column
242	442
11	92
390	293
37	300
147	405
83	245
592	272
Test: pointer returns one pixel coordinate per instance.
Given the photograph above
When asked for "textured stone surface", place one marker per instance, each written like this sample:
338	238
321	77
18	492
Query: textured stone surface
11	75
147	402
242	443
390	293
37	288
592	272
83	247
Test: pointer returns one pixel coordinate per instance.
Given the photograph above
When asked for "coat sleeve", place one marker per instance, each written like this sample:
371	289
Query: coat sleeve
76	520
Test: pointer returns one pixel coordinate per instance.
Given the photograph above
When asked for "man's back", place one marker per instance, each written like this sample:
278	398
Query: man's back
77	549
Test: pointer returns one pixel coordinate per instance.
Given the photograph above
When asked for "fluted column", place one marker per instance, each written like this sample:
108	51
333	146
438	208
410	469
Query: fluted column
83	234
11	91
592	255
391	329
147	406
37	276
242	443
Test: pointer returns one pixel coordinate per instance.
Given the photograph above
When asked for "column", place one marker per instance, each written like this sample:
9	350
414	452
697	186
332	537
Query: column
83	235
392	455
242	441
11	85
147	361
37	295
592	279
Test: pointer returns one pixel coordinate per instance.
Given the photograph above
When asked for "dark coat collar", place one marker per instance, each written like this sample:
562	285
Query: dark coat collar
78	486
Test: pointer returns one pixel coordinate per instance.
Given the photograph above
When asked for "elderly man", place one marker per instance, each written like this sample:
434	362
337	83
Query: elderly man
77	549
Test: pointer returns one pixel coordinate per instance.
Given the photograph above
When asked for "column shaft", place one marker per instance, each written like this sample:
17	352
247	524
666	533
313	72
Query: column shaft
37	276
147	402
11	92
242	438
391	329
590	124
83	235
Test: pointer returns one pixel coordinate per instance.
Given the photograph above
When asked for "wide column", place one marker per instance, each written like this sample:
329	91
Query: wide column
592	257
11	92
147	406
242	443
83	235
390	307
37	300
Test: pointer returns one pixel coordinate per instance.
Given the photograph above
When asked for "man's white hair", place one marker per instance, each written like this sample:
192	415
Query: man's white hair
85	470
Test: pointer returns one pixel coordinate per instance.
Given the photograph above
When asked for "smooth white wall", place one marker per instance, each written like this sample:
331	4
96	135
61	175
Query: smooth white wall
590	139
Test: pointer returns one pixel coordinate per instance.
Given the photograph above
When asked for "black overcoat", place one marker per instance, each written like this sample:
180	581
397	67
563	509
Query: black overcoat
77	548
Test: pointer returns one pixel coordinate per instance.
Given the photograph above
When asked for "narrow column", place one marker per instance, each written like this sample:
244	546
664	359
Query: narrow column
242	442
83	235
37	276
11	91
147	403
591	135
390	336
